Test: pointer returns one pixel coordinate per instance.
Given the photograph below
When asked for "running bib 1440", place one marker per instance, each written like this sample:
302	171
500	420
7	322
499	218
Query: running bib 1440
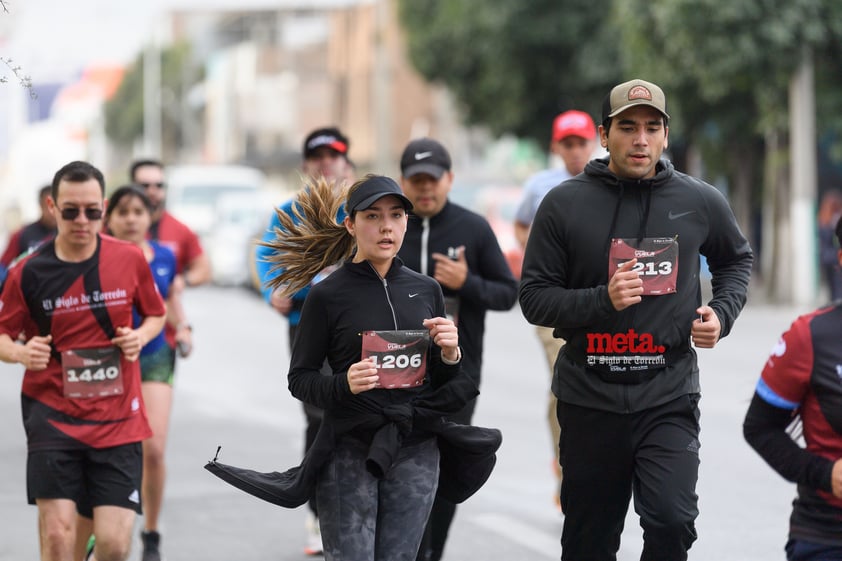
91	373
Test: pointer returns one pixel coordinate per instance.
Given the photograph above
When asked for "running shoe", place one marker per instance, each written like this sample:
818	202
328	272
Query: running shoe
151	541
314	536
89	549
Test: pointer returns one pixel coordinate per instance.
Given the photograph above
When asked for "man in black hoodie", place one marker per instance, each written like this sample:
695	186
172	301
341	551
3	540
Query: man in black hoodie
457	248
612	265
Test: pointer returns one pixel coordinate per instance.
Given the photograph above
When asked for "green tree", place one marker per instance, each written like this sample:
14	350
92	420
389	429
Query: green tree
124	111
731	65
726	67
513	64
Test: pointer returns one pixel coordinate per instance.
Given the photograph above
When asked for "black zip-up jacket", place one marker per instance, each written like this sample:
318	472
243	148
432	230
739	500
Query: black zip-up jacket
489	285
640	357
353	299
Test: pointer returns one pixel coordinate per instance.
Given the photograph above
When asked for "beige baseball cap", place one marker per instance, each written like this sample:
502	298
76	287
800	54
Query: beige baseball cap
631	93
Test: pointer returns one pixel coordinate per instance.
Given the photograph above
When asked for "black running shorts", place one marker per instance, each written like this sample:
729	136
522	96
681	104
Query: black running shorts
91	477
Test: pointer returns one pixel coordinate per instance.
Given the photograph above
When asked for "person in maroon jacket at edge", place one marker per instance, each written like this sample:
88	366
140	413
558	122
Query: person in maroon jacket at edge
802	381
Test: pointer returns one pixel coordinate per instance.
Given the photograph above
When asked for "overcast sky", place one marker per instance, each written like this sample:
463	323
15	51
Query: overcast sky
53	39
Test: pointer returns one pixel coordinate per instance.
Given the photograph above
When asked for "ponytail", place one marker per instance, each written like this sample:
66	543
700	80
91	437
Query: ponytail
310	240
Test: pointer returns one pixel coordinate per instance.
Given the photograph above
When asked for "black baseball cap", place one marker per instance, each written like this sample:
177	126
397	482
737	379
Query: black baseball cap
425	155
328	136
374	187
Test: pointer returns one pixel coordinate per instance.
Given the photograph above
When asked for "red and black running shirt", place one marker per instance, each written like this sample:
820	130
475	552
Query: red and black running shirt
81	305
184	243
803	375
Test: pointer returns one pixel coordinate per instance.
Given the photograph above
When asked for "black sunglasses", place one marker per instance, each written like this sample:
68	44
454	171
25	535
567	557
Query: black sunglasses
159	185
72	213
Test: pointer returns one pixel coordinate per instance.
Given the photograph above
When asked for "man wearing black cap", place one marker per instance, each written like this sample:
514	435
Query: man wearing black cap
458	248
612	265
325	155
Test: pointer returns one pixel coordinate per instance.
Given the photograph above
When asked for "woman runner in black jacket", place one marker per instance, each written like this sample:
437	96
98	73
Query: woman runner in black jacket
376	486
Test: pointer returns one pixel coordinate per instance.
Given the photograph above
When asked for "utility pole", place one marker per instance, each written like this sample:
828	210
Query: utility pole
381	88
152	97
803	179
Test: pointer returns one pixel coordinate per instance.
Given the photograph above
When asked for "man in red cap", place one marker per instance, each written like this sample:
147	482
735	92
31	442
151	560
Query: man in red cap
573	141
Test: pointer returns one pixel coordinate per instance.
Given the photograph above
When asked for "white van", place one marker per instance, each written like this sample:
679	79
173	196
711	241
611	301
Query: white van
226	206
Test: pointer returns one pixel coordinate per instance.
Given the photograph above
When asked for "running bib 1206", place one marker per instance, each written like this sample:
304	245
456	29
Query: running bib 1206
400	356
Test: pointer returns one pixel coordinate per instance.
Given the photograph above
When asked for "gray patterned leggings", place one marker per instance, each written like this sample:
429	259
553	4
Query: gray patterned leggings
367	519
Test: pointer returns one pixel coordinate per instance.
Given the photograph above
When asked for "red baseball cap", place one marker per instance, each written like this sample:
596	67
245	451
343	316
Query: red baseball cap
573	123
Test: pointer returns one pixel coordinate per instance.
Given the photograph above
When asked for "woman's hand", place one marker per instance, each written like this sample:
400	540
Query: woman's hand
444	333
362	376
184	339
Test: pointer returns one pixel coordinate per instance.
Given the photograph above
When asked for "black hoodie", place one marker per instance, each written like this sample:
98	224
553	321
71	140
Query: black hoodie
640	357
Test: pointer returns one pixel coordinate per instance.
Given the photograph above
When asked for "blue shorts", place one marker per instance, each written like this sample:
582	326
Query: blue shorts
800	550
158	366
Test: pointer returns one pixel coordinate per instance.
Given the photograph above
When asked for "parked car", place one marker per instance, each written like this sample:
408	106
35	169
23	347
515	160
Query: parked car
226	206
238	222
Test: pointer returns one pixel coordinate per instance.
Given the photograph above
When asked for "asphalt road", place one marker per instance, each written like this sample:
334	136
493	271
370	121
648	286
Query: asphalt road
232	393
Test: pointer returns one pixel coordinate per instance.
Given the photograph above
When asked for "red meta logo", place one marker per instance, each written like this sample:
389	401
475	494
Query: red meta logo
631	342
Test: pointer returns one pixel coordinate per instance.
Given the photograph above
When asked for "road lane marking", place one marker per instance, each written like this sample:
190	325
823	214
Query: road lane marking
545	544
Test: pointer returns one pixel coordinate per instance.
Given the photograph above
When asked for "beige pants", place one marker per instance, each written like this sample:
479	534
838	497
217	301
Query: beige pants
551	348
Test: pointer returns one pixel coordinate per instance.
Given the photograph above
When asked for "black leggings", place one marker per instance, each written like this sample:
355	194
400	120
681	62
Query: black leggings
441	516
607	458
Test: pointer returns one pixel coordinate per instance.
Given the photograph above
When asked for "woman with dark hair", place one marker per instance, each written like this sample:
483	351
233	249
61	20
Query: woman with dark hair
128	217
395	360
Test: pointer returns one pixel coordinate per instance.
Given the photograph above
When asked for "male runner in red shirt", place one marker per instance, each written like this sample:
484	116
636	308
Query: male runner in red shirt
72	302
192	261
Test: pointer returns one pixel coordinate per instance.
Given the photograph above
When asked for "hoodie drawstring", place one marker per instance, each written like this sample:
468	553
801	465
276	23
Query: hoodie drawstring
641	232
614	219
